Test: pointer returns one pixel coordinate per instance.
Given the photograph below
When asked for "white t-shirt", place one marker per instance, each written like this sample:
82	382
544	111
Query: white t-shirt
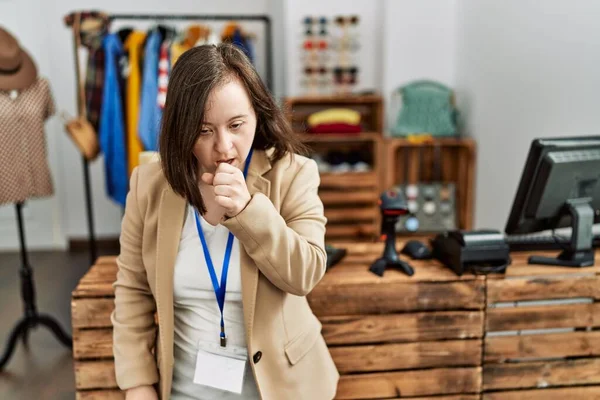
197	314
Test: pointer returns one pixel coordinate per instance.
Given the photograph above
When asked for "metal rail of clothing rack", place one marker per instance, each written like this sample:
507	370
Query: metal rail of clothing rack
173	17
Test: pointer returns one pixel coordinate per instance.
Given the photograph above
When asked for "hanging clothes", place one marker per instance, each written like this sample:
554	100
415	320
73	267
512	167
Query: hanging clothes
94	26
196	35
112	129
133	46
232	32
164	67
24	169
150	111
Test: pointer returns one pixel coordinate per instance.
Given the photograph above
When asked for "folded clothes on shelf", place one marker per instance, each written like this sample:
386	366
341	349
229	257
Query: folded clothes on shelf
335	127
339	162
334	120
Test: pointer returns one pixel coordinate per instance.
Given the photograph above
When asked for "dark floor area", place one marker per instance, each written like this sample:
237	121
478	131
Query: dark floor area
45	370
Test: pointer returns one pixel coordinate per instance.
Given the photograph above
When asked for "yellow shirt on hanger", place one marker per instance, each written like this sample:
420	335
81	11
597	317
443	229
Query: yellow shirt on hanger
133	46
177	49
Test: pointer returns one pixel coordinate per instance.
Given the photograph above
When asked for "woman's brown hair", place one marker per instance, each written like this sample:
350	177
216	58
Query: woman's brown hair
195	74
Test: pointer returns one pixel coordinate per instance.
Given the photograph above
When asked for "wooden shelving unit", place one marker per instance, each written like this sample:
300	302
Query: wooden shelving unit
410	162
350	198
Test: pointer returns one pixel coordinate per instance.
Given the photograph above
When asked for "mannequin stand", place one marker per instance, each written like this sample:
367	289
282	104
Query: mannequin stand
31	319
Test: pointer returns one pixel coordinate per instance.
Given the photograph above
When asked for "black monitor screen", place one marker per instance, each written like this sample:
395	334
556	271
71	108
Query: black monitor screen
557	170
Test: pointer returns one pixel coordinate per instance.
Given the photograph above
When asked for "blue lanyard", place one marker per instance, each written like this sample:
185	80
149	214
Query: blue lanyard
220	289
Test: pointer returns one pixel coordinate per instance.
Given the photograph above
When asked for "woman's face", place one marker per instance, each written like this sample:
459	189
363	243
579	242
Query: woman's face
228	129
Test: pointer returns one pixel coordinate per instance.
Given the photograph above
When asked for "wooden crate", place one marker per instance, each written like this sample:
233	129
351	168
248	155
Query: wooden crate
92	303
370	107
447	160
350	199
542	340
398	336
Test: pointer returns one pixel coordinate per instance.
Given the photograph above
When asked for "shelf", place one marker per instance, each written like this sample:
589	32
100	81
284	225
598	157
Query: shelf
347	99
349	180
338	137
351	199
440	141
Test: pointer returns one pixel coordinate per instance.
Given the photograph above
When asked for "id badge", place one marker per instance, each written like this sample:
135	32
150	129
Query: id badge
220	367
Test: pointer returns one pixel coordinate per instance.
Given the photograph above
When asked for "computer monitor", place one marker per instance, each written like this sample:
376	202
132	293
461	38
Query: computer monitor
559	187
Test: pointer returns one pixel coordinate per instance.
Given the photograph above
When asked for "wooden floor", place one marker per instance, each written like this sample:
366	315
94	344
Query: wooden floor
45	371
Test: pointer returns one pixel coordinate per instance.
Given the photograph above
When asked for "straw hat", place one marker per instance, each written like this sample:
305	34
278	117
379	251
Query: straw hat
17	69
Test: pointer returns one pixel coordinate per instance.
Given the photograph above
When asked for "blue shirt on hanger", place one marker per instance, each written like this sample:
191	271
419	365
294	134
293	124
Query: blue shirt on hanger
150	111
112	125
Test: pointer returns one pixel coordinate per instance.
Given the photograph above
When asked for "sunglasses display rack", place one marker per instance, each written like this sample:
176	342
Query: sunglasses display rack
329	55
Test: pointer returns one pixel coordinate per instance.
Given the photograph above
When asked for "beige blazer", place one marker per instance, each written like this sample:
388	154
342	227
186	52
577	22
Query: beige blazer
281	233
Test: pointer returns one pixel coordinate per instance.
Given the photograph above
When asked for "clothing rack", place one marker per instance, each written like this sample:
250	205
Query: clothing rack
215	17
173	17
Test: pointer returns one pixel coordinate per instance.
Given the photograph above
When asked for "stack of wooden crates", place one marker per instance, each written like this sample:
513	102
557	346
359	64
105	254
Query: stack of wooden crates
350	198
530	334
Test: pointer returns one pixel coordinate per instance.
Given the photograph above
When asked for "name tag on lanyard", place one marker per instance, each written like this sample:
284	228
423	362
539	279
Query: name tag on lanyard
220	367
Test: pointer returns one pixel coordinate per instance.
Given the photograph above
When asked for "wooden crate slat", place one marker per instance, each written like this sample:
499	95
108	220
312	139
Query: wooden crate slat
466	213
355	271
362	248
451	397
449	162
520	267
404	327
396	297
571	344
409	383
541	374
95	290
106	260
92	343
363	229
405	356
97	282
336	215
100	395
349	181
542	317
570	393
95	375
330	198
92	313
327	99
542	288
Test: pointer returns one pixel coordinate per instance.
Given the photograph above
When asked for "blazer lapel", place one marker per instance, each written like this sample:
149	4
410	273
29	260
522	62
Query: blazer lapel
170	223
256	183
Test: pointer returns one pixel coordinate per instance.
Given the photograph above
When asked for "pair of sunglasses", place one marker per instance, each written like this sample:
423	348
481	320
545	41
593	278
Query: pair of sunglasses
350	20
315	44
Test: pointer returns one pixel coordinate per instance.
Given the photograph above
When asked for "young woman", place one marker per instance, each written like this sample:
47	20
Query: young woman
222	240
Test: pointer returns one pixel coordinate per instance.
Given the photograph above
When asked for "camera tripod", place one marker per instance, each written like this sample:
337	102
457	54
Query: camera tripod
32	318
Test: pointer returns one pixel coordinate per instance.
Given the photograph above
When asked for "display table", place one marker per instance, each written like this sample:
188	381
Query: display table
432	334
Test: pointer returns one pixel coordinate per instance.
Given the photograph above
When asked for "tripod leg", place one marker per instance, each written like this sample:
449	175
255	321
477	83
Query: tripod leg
12	341
60	334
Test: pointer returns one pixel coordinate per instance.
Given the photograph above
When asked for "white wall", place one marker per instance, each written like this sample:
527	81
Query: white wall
39	27
525	69
419	40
